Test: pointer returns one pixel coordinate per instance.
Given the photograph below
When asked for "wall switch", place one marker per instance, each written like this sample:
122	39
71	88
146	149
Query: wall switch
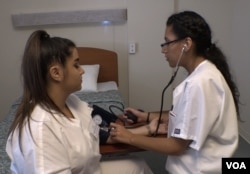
132	48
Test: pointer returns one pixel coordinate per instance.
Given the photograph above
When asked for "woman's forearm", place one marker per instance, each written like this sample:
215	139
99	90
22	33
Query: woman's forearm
141	130
154	115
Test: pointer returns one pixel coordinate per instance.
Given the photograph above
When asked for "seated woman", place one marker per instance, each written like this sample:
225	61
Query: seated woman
53	131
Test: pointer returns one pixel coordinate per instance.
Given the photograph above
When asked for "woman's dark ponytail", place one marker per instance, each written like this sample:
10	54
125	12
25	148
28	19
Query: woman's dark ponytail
216	56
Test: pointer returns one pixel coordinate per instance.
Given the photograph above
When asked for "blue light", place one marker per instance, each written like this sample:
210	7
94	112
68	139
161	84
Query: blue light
106	22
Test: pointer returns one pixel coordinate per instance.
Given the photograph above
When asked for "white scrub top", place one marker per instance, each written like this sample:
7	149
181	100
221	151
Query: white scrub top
204	112
61	145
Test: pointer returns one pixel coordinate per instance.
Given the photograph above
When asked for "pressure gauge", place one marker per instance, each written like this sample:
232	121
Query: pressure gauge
97	119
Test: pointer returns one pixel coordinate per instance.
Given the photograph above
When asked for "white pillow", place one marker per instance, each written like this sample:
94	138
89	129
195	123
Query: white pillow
89	78
106	86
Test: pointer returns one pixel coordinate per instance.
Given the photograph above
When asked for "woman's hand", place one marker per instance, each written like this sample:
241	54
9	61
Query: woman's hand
141	116
119	133
163	127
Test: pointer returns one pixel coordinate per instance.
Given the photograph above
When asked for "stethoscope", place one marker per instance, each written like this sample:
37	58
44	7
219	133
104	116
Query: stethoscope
166	87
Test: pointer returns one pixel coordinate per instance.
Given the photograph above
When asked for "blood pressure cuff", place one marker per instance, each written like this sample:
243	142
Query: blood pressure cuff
103	136
102	118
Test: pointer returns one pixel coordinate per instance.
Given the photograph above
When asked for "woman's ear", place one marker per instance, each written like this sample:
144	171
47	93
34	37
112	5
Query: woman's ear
56	73
188	43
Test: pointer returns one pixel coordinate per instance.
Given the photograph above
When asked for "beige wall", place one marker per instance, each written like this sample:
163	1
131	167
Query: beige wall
148	70
144	74
144	20
113	37
241	60
230	22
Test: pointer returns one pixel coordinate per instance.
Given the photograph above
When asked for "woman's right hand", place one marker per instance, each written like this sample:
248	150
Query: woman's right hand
141	116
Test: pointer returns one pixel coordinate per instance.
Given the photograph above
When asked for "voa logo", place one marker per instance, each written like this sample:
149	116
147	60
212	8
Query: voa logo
236	165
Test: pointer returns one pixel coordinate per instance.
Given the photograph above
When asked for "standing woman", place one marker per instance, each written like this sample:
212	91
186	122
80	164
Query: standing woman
53	131
202	124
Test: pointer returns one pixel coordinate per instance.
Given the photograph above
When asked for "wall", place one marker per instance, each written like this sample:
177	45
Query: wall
148	69
144	74
218	14
113	37
230	22
241	61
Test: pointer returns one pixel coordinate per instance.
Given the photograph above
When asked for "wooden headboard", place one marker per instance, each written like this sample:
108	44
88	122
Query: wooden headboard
105	58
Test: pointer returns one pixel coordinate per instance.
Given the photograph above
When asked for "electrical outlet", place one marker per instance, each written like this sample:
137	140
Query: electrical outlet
132	48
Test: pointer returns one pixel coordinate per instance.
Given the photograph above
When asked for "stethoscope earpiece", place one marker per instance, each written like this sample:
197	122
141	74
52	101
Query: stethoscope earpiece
184	47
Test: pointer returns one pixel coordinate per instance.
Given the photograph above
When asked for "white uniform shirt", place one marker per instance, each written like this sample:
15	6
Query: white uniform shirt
204	112
61	145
